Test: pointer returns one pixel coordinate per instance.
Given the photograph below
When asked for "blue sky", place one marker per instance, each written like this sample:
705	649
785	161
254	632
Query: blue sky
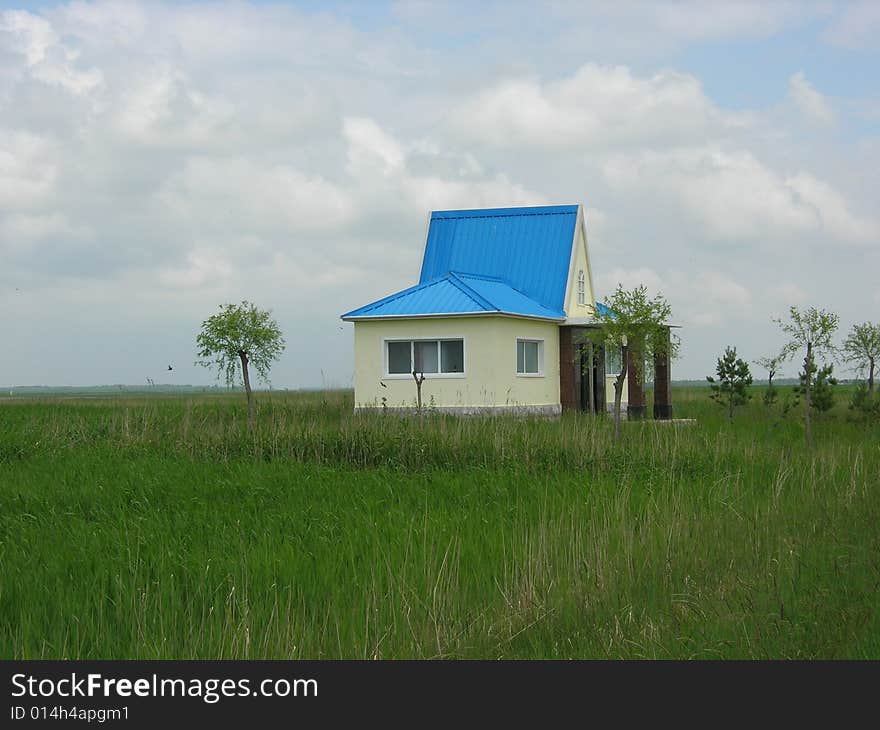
157	159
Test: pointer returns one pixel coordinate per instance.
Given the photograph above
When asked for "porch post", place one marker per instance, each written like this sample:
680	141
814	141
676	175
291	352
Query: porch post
662	384
635	376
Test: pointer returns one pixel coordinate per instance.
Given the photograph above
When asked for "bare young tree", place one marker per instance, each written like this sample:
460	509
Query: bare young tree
772	365
811	331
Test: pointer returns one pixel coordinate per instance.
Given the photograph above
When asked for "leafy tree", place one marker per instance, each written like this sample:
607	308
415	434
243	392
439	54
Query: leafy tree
734	378
772	366
237	336
812	331
638	327
862	349
864	403
819	382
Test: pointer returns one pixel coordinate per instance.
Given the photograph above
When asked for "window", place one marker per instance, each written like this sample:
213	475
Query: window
582	292
431	357
613	360
529	357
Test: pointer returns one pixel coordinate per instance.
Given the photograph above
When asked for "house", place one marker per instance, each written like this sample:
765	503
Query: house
496	322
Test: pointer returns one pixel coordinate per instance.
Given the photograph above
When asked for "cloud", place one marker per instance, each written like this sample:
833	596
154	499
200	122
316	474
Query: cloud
371	150
608	281
813	104
158	158
703	299
28	170
788	294
699	21
203	267
597	105
604	29
222	193
735	197
20	231
857	27
46	57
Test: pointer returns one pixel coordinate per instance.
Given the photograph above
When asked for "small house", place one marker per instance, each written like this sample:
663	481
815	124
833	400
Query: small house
496	322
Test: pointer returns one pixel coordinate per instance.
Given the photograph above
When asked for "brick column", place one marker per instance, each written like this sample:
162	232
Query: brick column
662	384
636	407
568	393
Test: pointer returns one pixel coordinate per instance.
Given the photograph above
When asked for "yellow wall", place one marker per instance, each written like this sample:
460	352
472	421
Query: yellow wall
490	377
609	390
581	263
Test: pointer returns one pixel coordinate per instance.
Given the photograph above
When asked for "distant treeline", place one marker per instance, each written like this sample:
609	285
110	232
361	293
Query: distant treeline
85	390
61	390
25	390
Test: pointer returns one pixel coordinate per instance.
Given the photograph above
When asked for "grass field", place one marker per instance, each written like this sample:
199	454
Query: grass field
161	528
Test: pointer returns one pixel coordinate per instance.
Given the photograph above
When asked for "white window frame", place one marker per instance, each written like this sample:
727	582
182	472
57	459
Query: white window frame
618	354
582	291
541	348
408	376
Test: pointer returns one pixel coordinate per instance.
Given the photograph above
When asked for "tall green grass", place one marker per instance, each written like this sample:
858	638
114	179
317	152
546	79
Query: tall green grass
164	528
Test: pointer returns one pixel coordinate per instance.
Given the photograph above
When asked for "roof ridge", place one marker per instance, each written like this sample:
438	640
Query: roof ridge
476	296
484	277
525	210
503	282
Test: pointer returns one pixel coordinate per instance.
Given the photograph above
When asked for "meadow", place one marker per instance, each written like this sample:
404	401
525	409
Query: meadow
158	528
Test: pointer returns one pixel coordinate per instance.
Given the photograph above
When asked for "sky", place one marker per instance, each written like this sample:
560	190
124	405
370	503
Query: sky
160	159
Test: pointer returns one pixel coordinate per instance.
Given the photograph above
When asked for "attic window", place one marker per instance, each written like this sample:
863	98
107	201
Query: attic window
582	294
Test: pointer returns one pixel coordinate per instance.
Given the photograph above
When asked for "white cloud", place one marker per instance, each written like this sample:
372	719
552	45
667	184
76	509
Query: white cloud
832	211
27	168
721	289
20	231
608	281
237	193
699	21
46	57
787	294
706	298
597	105
813	104
204	267
857	27
371	150
734	196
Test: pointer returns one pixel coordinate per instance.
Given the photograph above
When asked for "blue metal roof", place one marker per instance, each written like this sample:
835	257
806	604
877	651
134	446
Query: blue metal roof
602	309
456	294
527	248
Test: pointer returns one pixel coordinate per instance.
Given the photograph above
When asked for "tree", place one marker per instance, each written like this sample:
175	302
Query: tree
237	336
862	349
819	381
772	366
733	381
864	404
633	323
810	330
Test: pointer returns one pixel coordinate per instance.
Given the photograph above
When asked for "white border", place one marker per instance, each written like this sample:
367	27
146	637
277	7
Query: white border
542	346
428	376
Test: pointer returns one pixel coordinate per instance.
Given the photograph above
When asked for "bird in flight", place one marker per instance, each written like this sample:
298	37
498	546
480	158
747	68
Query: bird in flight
170	368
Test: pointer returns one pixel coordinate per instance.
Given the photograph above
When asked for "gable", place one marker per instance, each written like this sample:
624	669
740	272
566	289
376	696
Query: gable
580	262
529	249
